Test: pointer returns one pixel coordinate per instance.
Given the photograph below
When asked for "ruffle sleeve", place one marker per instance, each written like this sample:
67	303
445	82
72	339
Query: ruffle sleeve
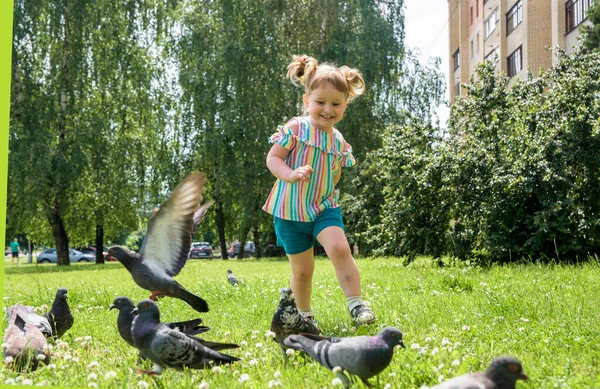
284	137
345	157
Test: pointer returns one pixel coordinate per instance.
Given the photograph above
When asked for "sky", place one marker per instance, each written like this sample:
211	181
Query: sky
426	28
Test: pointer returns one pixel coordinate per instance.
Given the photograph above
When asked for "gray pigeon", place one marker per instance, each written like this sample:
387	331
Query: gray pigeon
287	320
503	373
125	319
362	356
23	341
232	279
167	243
42	323
60	316
170	348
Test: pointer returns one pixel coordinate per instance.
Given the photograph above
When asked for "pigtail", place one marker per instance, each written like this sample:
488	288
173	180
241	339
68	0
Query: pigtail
301	69
356	84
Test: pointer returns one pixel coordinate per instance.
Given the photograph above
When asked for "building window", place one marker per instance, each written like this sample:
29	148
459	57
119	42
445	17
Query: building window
457	89
514	17
478	42
471	15
456	57
472	52
514	63
477	8
576	12
490	23
493	56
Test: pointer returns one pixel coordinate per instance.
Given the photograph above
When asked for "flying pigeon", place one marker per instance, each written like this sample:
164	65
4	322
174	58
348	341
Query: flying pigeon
167	243
362	356
59	316
232	279
287	320
170	348
502	373
125	318
23	341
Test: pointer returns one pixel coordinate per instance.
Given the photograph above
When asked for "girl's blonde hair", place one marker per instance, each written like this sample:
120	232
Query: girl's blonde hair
305	70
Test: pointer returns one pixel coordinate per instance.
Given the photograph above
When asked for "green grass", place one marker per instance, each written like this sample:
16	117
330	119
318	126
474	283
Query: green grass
455	320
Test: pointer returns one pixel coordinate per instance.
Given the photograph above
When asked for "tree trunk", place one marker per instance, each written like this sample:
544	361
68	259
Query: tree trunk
256	235
99	244
60	236
220	217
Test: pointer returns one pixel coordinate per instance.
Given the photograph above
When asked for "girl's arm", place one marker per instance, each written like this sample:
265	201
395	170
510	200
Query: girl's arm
277	166
337	176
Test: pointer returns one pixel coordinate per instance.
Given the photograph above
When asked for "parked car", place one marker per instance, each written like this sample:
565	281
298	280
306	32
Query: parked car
201	250
49	256
92	250
249	250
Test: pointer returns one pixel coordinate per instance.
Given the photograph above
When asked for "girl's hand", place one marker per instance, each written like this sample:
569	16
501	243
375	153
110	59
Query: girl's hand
301	174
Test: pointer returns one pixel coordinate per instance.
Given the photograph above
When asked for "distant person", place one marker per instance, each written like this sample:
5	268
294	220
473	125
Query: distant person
15	249
307	158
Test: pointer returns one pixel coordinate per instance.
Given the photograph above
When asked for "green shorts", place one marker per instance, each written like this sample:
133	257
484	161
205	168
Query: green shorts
297	237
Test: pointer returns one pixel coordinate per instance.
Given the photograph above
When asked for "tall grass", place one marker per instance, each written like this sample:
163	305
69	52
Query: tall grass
455	320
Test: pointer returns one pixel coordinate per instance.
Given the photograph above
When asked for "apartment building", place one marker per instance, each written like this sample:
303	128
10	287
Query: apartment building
514	34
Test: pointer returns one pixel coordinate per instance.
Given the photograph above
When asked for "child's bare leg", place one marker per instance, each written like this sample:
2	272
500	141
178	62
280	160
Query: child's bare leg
303	266
337	248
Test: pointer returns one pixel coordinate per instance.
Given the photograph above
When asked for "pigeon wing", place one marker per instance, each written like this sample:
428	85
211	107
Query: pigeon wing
468	381
169	235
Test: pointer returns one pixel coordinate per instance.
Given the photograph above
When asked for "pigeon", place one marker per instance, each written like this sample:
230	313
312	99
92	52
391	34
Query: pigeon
125	318
287	320
167	243
361	356
59	316
42	323
23	341
503	373
167	347
232	279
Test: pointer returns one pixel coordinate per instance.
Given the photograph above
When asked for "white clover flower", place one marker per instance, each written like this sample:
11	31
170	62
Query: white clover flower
51	366
455	362
482	283
387	386
143	385
393	374
110	375
441	366
336	382
75	360
43	383
270	334
93	365
253	362
466	328
27	382
67	356
434	351
427	339
248	354
8	360
243	378
289	352
217	370
92	376
337	369
203	385
62	344
243	343
415	346
524	320
79	339
277	374
441	378
273	383
457	345
227	333
92	385
521	329
259	345
446	342
87	338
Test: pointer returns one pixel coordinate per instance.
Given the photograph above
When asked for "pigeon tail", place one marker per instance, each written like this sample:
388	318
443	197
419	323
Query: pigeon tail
198	303
216	345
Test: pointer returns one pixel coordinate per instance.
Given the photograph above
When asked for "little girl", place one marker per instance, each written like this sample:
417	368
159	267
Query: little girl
307	157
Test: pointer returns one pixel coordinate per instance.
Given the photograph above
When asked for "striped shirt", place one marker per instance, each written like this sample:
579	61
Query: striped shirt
326	153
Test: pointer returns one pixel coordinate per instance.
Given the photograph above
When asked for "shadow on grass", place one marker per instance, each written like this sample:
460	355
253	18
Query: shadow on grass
52	268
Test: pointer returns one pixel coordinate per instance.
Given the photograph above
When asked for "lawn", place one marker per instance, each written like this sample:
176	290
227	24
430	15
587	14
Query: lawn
454	319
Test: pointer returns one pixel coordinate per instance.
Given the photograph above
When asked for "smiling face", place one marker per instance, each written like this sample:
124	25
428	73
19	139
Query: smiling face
326	106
